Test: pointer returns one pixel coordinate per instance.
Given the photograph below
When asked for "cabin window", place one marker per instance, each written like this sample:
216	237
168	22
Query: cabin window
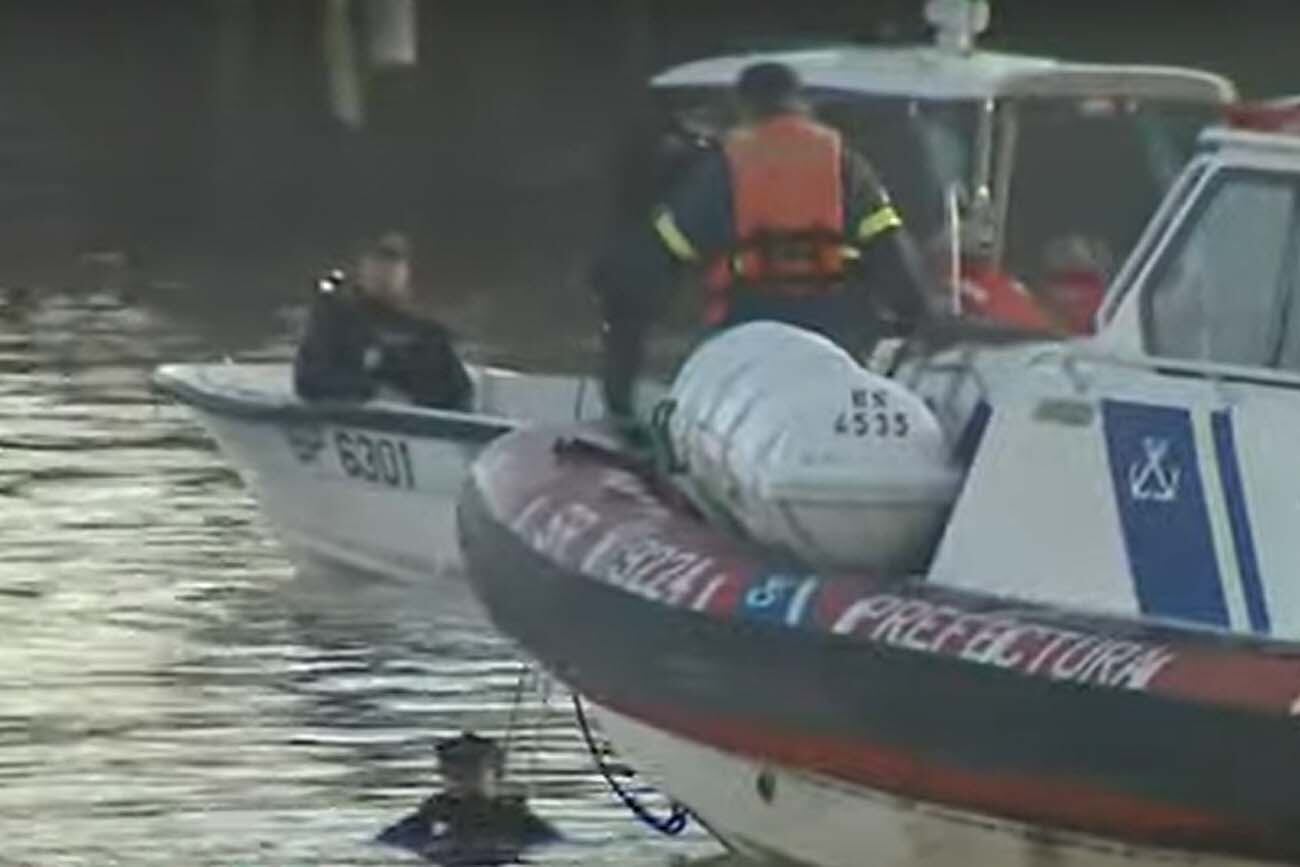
1092	170
917	149
1185	187
1288	349
1220	289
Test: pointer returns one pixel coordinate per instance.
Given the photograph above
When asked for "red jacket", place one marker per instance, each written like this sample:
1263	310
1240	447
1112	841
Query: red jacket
992	294
1078	294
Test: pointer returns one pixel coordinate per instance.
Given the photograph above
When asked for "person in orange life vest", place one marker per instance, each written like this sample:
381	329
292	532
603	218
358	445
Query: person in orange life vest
784	222
1075	273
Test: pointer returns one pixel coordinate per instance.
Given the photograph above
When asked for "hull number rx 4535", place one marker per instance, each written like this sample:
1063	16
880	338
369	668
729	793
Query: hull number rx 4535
870	414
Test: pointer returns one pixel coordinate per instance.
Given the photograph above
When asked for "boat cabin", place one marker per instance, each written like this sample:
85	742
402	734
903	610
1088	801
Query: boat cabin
1145	471
1048	157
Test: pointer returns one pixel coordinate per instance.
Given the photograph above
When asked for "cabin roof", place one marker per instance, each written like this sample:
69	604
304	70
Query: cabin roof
932	73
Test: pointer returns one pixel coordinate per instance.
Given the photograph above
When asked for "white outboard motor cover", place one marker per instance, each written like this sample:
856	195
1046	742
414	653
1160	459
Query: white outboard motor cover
811	453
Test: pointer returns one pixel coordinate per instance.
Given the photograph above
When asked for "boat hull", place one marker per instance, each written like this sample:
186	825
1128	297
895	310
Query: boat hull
774	814
1081	735
367	487
329	508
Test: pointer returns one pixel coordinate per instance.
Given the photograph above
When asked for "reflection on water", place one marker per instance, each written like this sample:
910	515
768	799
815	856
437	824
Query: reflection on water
171	692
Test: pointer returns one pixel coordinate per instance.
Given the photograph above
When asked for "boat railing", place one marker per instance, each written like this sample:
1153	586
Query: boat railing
960	367
962	364
962	370
1072	357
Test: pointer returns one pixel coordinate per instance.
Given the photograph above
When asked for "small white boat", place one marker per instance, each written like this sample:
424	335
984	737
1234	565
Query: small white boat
371	486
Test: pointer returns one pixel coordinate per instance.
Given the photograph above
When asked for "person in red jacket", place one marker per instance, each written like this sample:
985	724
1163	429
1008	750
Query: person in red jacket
990	293
986	290
1075	274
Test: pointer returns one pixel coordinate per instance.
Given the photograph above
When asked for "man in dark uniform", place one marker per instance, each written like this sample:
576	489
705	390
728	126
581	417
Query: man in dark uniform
784	221
470	821
470	807
365	335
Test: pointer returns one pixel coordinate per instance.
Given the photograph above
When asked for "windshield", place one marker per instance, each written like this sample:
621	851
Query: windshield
1088	175
917	148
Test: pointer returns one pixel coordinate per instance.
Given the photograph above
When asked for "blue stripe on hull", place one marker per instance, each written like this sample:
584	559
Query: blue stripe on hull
1234	494
1161	501
972	434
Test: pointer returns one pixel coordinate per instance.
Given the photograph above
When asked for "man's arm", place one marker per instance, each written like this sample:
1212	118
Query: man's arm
692	222
430	370
329	364
889	265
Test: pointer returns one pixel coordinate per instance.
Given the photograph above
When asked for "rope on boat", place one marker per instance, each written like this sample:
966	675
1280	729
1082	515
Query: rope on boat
522	723
516	703
671	825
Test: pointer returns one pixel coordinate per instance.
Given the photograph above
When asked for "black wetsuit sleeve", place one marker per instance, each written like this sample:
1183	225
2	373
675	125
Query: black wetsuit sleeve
428	370
700	208
632	276
330	361
629	282
889	268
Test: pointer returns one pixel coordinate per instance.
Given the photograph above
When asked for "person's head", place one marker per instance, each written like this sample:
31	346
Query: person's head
470	765
384	268
769	88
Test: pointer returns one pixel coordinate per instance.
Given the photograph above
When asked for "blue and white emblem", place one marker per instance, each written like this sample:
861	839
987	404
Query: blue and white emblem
1164	520
1154	478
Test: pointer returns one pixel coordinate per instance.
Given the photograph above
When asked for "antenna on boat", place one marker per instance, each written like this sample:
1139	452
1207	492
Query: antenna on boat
956	23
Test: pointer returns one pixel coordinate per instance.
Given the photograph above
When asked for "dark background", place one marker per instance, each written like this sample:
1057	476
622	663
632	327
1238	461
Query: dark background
191	142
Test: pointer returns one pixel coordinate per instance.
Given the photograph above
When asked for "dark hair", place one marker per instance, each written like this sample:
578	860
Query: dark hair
768	88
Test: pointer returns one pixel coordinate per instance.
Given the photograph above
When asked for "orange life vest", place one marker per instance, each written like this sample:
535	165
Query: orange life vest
788	213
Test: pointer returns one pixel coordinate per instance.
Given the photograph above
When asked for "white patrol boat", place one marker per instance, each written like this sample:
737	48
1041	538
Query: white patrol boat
1069	632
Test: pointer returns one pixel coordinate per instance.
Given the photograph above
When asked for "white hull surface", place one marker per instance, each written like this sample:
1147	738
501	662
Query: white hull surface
400	523
373	486
817	821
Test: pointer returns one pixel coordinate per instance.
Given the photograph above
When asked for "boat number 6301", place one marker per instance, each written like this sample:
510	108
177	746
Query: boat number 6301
375	458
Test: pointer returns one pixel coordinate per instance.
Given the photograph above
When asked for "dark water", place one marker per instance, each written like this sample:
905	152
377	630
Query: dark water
172	692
